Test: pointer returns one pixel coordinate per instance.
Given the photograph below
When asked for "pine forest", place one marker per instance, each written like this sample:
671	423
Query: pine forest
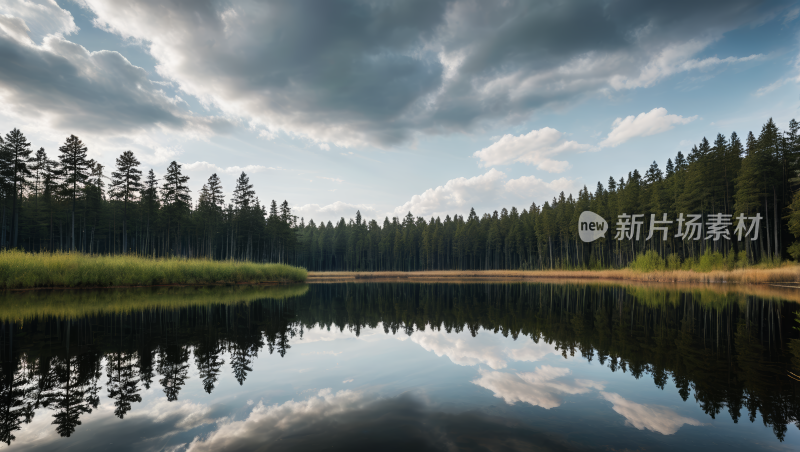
66	201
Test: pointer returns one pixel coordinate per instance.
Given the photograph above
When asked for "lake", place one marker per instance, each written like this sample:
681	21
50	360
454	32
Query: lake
399	366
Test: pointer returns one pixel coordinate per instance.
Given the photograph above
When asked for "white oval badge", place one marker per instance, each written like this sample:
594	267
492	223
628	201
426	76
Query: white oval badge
591	226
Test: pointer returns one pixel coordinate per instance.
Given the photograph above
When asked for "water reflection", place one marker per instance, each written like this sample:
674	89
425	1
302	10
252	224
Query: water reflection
727	351
651	417
541	387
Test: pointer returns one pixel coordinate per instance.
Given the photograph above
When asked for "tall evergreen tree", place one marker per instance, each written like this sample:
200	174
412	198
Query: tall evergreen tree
126	184
150	205
17	152
210	207
75	170
243	200
175	195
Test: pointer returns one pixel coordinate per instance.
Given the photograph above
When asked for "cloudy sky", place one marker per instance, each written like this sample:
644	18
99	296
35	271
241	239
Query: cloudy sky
389	107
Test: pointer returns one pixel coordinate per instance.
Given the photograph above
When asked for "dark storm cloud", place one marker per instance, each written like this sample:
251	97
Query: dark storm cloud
346	70
355	72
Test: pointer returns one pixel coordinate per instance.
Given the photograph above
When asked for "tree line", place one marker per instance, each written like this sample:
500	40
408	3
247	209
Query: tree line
729	352
756	178
70	204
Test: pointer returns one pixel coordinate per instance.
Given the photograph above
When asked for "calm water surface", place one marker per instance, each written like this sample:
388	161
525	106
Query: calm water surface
399	366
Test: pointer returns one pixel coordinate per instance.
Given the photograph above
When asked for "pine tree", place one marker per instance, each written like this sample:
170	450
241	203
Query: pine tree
15	406
94	190
210	207
243	198
17	152
75	170
216	197
175	195
747	189
123	382
40	165
126	184
150	204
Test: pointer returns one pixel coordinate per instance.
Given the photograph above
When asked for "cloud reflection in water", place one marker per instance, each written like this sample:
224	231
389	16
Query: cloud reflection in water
350	420
541	387
656	418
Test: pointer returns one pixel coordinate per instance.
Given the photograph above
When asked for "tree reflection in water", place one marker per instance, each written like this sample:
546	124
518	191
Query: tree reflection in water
729	351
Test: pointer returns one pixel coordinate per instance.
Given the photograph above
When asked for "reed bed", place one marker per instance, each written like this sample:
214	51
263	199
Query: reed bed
786	274
70	304
20	270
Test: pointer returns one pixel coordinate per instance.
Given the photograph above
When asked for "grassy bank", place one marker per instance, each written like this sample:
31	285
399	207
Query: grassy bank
786	274
19	270
26	305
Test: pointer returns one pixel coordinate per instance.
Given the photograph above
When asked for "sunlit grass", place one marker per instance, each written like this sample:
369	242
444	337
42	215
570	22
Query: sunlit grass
28	270
70	304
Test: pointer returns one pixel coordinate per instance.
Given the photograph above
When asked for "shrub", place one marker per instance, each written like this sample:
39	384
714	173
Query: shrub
673	262
648	261
710	261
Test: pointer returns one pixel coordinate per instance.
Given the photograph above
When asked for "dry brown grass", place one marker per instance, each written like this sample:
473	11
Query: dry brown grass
778	283
787	274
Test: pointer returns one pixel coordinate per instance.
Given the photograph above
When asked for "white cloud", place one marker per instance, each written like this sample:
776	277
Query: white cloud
234	170
349	380
490	187
320	333
791	15
773	86
541	387
334	211
535	148
794	77
651	417
332	179
462	349
266	424
54	87
325	146
456	193
532	351
533	187
645	124
39	18
672	59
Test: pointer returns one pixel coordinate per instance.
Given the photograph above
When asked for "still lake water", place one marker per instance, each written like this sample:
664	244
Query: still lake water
422	366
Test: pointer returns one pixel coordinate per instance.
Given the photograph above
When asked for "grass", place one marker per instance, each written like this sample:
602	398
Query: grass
20	270
27	305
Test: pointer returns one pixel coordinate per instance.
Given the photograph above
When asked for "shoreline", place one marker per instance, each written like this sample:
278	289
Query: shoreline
787	291
784	275
139	286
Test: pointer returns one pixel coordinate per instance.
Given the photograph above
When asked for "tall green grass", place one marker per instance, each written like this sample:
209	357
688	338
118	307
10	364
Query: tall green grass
20	270
71	304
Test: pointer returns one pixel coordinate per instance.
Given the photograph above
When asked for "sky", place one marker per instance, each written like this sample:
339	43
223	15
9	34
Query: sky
389	107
